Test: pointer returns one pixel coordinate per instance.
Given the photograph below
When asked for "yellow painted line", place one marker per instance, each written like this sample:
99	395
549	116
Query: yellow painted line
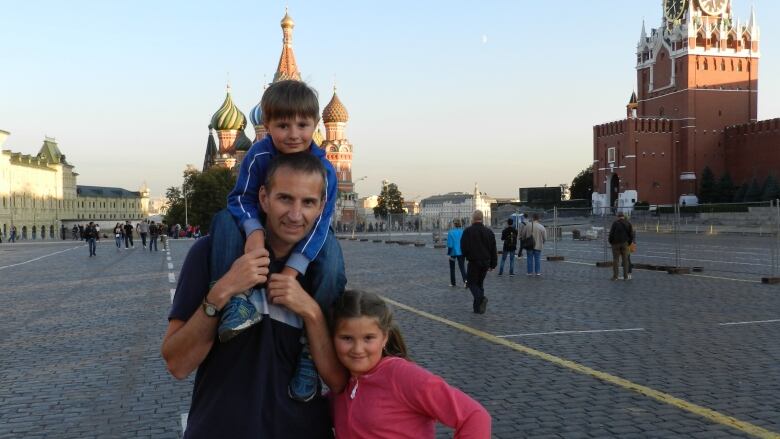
665	398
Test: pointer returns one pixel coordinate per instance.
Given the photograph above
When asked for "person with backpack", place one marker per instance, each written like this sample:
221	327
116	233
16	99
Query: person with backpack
532	238
621	236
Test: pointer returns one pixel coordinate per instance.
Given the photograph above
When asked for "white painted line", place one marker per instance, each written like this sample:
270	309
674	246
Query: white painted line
170	266
749	323
183	422
40	257
571	332
168	258
173	292
171	278
725	278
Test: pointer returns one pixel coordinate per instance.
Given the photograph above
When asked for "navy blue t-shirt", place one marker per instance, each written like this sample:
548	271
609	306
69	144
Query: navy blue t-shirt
241	386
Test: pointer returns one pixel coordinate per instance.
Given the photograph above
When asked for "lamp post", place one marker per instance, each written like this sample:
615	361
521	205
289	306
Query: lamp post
354	217
184	193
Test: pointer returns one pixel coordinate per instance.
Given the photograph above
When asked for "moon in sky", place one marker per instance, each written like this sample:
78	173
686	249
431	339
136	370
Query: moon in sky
484	39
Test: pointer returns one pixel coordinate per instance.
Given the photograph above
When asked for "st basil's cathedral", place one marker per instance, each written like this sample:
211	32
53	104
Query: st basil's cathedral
228	125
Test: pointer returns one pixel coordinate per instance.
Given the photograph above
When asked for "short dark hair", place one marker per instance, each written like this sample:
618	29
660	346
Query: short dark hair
510	221
286	99
303	162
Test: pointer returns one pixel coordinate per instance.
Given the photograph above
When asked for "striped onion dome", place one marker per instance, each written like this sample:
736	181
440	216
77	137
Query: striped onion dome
228	117
335	110
256	115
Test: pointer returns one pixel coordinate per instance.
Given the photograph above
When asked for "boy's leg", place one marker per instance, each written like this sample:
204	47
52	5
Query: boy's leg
328	280
239	314
452	271
461	265
511	262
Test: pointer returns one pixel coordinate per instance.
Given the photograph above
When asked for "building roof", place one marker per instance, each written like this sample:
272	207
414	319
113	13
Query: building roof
105	192
335	110
228	117
288	68
452	197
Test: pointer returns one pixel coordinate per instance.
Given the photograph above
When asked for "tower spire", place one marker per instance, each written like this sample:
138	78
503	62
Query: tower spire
288	68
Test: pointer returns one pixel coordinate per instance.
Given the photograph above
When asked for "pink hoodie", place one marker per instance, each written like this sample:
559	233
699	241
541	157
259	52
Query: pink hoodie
399	399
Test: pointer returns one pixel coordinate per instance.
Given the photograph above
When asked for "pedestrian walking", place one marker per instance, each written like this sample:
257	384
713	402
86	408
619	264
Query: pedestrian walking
533	237
154	232
478	245
143	231
509	236
13	234
128	234
621	236
454	253
118	230
163	228
90	234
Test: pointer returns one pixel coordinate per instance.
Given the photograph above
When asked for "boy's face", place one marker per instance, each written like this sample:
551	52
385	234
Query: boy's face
291	135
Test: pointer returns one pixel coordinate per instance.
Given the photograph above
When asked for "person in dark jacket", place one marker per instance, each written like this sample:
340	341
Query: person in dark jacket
90	234
509	236
621	235
478	245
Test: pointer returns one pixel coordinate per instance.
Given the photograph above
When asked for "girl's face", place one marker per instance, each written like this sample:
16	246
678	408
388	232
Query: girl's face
359	342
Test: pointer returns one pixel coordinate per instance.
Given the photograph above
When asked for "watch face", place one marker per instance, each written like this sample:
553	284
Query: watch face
673	9
713	7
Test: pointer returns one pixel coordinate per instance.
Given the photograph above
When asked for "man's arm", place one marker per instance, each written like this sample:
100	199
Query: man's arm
186	343
286	291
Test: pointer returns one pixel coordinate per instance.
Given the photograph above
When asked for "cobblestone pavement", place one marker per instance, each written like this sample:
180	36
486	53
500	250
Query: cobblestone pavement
82	336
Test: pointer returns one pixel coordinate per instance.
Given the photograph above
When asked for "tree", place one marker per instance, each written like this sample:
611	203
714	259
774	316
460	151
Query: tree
582	186
726	189
739	195
753	193
390	201
771	189
206	194
707	187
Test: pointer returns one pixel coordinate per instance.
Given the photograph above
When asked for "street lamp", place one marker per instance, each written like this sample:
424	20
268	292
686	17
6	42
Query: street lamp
184	192
354	217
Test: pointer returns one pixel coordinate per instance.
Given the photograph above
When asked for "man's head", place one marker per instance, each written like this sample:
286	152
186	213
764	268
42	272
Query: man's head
621	215
292	198
535	217
456	223
477	216
510	221
290	115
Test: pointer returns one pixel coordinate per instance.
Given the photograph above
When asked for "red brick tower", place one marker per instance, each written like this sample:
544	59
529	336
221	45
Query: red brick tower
339	153
696	74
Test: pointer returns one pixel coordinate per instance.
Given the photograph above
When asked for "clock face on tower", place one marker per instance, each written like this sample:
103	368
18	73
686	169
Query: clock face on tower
713	7
673	9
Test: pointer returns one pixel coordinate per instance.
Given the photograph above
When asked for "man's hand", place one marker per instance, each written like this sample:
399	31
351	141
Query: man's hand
289	271
254	241
246	272
286	291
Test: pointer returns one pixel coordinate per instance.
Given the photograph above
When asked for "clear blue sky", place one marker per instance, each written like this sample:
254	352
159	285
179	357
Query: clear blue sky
441	94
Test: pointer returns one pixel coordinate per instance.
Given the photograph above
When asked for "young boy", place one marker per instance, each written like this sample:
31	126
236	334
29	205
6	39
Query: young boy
290	115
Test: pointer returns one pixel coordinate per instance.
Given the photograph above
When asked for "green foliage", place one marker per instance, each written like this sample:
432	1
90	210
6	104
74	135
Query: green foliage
771	189
739	195
206	194
726	189
754	191
707	187
390	201
582	186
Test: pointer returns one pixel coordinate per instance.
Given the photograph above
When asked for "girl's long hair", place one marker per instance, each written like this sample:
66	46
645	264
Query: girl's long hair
358	303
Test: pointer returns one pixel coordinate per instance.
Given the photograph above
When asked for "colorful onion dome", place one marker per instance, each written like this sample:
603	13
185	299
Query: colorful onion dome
335	110
242	142
256	115
228	117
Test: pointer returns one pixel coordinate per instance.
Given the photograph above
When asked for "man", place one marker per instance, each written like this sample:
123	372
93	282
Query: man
478	245
143	230
621	235
13	234
128	234
241	386
154	232
533	254
509	236
90	234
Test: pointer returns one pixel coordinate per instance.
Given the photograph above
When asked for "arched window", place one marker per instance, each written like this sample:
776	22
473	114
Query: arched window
723	64
739	65
706	64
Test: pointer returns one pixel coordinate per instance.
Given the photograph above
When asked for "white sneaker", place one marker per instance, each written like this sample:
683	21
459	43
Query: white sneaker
628	277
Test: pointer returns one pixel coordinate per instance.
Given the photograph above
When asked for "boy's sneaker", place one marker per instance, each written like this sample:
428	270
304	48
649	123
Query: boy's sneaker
238	315
305	381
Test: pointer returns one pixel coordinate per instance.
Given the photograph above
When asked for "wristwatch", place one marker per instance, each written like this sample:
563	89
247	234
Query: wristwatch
210	309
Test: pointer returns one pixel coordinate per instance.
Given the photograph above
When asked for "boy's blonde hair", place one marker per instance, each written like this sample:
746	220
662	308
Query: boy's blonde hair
287	99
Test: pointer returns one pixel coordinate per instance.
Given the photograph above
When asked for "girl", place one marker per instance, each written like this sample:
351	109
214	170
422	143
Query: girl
388	396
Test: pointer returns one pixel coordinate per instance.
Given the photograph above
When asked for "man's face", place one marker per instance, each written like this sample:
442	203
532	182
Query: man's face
293	134
291	206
